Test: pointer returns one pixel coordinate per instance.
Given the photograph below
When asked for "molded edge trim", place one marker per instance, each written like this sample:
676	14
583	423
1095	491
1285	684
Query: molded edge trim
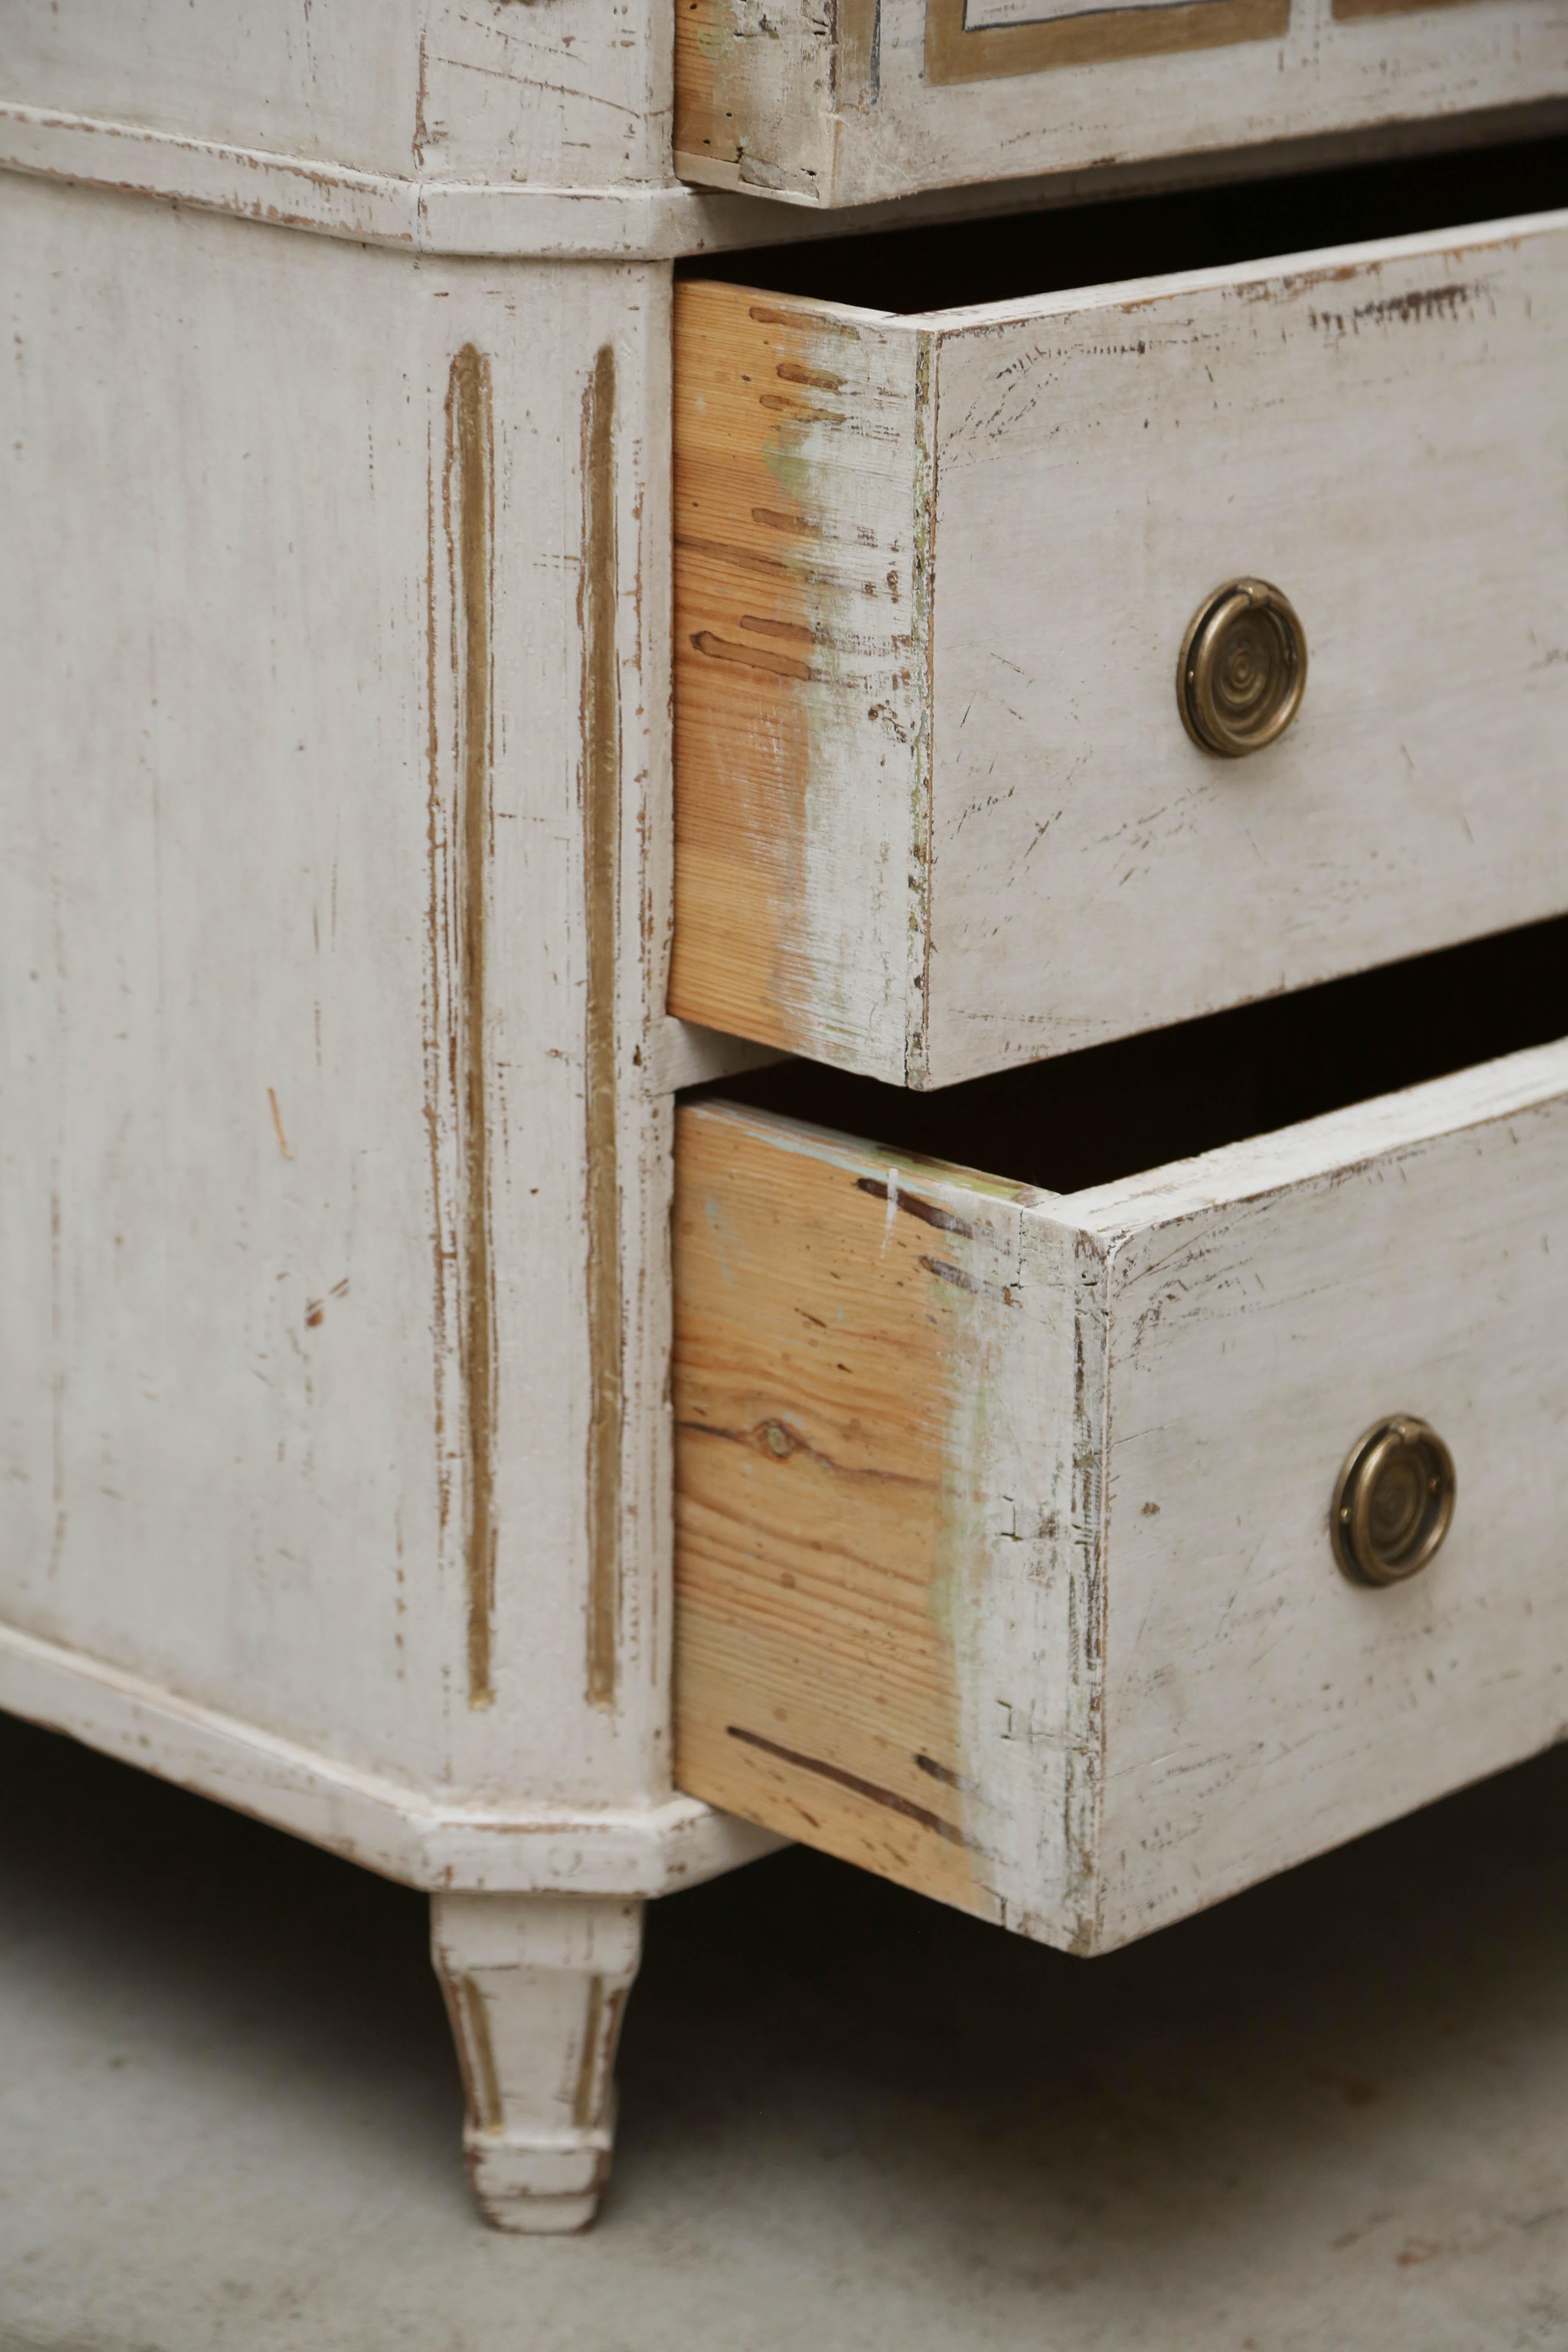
399	1833
474	219
500	221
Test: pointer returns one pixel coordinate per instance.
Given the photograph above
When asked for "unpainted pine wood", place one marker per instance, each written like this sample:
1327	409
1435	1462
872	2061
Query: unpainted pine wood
849	1329
883	97
1064	1534
812	1678
1377	430
799	653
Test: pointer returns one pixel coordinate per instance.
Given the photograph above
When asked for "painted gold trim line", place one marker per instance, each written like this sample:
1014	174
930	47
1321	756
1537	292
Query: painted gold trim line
601	790
1095	37
1350	12
470	499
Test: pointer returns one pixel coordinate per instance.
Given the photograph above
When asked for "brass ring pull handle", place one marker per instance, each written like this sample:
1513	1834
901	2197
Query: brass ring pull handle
1243	670
1394	1501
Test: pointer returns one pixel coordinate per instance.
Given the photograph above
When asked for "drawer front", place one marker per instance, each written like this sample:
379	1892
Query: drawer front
1004	1564
873	99
936	809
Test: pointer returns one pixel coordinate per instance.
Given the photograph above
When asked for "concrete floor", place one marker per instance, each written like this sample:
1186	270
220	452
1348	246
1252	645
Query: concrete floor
1333	2112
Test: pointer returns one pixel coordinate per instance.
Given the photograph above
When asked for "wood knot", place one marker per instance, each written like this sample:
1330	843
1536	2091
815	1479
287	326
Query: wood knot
774	1438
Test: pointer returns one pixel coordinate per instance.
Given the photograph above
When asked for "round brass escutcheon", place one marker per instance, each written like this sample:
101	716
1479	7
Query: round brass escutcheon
1394	1501
1243	670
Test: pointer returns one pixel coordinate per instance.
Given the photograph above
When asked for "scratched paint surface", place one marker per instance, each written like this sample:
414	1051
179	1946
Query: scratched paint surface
1260	1707
1375	436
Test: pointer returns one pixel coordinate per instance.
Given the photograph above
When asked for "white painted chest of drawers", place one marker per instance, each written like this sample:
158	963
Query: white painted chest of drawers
341	870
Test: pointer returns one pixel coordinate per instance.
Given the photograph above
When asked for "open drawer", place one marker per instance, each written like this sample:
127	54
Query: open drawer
957	594
1005	1556
860	99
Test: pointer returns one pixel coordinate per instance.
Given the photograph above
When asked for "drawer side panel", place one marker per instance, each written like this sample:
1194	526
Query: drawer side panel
873	1399
800	650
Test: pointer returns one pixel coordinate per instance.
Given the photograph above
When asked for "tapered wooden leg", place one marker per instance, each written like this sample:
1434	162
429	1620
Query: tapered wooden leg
536	1986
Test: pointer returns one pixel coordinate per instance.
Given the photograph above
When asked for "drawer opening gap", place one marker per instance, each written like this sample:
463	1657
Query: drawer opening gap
1116	1110
906	271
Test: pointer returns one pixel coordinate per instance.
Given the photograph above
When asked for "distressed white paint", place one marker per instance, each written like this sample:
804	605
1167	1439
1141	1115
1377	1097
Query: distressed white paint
1263	1308
1379	430
227	1392
229	1480
1165	1688
180	150
232	1386
809	124
518	220
480	218
573	93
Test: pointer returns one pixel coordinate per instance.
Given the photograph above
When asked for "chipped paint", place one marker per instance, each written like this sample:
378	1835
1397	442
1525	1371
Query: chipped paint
1084	1760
